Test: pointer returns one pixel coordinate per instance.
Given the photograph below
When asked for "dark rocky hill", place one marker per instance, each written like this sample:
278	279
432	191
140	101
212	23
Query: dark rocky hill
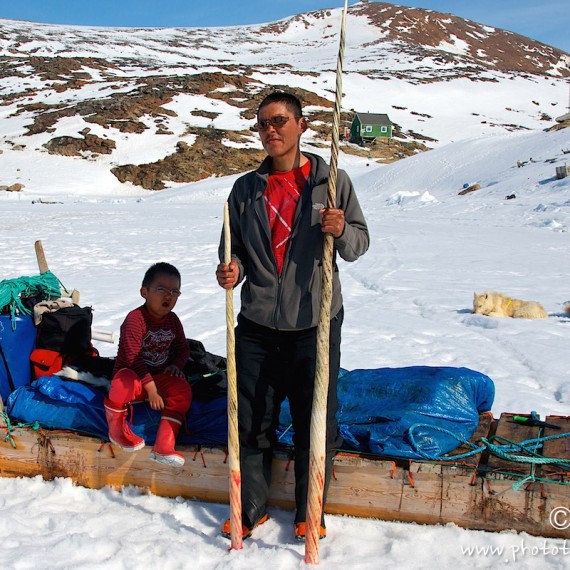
92	92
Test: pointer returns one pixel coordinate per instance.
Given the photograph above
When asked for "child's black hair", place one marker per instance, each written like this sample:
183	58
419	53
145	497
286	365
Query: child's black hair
160	268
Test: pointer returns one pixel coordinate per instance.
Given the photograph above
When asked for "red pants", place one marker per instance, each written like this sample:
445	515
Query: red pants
127	387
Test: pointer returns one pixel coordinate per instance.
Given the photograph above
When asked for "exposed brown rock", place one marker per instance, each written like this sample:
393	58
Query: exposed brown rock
206	157
72	146
15	187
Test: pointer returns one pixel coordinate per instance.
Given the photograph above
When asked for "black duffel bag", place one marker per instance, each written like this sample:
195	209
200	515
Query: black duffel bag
67	330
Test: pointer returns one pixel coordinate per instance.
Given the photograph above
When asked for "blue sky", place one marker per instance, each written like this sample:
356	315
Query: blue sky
547	21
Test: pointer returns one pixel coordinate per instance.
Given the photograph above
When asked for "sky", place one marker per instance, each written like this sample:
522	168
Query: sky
547	21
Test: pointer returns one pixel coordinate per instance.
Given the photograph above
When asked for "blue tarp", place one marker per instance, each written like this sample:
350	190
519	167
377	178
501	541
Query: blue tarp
62	404
377	407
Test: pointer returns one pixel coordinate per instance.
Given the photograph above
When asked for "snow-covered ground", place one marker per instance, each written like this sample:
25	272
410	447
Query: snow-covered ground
408	301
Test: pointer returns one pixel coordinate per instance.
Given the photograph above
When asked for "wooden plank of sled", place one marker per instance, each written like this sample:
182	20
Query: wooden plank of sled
366	487
559	448
460	485
527	508
500	507
498	467
23	460
442	490
94	464
362	487
403	490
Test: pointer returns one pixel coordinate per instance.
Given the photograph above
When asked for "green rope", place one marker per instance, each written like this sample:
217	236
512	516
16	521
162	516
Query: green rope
516	452
433	457
10	428
509	450
11	291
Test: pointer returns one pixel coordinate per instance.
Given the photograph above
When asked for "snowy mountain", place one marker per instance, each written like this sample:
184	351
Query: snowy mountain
160	107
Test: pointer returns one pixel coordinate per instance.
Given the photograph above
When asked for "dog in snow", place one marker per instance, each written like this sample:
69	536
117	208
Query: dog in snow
494	304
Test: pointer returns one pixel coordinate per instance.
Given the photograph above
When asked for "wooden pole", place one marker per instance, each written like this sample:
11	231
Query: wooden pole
44	268
40	256
236	535
317	454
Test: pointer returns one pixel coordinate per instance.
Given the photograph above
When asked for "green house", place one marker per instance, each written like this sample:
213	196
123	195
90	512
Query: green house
367	127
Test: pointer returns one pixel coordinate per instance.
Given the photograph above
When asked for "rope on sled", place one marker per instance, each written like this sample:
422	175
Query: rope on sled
433	457
516	452
10	428
11	291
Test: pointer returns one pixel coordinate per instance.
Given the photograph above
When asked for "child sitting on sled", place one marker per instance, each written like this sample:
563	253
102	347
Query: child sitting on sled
152	353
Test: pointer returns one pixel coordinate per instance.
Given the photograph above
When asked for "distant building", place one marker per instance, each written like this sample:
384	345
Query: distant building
367	127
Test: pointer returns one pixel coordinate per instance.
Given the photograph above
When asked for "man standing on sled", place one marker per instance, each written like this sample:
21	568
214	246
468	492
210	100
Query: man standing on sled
278	220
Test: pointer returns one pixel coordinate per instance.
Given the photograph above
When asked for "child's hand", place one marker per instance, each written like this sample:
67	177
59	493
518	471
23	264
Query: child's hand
154	398
173	370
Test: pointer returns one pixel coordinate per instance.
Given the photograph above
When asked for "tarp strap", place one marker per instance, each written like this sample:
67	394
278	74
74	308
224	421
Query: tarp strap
8	373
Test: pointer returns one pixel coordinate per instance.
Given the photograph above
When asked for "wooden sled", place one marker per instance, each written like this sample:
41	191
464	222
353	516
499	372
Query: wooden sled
474	493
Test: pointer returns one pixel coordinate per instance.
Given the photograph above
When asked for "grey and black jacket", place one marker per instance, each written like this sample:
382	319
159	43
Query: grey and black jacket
290	301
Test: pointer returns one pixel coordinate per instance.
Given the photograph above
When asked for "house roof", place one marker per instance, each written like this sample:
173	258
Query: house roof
374	119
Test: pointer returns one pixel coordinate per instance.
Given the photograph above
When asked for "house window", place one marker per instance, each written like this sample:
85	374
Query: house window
383	129
368	128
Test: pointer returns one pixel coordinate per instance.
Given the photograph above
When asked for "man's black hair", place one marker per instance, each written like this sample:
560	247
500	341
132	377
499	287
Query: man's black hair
160	268
292	102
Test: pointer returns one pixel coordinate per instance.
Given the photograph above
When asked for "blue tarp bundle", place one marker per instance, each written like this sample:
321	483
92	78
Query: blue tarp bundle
62	404
378	406
376	409
383	405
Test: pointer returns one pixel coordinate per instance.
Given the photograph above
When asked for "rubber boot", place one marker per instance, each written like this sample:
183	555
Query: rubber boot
163	449
119	431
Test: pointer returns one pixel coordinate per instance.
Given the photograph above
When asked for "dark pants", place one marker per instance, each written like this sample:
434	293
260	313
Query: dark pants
272	365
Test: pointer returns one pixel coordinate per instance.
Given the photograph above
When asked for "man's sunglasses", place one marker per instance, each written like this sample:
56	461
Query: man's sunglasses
278	121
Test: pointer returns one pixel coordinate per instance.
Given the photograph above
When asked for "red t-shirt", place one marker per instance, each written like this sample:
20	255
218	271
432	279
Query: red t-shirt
282	195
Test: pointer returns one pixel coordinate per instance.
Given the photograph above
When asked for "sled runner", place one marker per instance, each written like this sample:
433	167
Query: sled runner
479	492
